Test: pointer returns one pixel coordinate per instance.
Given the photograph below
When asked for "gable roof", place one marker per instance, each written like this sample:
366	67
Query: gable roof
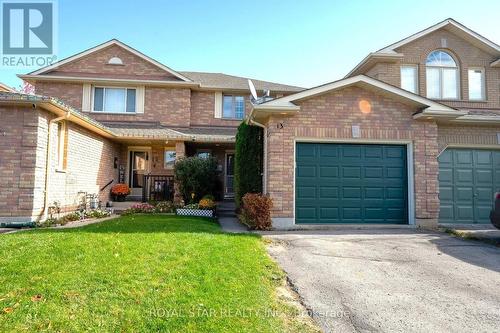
454	27
225	81
288	103
105	45
389	52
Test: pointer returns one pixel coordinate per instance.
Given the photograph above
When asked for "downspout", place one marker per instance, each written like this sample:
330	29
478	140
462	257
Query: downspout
44	213
264	176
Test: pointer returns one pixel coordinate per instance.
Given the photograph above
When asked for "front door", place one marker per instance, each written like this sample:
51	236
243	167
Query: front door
229	179
138	167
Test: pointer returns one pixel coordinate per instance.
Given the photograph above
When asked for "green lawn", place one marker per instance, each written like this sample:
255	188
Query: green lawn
140	274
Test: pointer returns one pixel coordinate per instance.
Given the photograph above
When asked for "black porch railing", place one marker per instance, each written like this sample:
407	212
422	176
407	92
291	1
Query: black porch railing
158	188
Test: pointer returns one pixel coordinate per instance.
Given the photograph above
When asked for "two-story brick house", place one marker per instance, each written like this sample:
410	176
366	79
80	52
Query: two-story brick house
114	115
410	136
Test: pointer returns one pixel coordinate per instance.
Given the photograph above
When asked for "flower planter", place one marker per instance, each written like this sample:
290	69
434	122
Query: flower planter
195	212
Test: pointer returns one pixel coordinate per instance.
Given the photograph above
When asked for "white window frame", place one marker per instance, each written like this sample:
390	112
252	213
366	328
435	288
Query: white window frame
233	96
483	84
415	81
104	97
165	150
441	68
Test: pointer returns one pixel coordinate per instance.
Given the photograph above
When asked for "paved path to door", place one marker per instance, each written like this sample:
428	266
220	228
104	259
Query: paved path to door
392	280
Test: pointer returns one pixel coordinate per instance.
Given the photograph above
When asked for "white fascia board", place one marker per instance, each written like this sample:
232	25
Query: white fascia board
104	45
31	77
470	118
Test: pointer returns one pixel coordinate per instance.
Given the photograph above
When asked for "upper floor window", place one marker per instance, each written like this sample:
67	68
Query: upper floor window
409	81
115	100
441	76
233	107
476	84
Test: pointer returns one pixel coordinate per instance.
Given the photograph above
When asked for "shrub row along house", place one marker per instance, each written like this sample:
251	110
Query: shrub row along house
409	136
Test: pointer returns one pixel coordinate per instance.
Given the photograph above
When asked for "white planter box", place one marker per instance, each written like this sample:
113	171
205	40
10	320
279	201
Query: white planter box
195	212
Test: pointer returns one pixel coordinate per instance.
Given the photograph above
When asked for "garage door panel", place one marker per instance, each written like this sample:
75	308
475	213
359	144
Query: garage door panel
329	213
445	175
466	192
306	192
351	192
351	183
446	213
374	193
392	172
307	171
445	193
351	172
352	213
483	158
353	151
463	176
328	172
463	157
327	192
484	176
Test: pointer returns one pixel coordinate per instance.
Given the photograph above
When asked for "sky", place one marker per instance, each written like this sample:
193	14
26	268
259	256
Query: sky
303	43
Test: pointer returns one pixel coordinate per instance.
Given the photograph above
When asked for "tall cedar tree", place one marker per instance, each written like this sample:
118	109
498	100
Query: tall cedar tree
248	161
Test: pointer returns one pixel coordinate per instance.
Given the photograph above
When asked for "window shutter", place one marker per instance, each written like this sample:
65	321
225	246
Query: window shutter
218	105
86	97
140	92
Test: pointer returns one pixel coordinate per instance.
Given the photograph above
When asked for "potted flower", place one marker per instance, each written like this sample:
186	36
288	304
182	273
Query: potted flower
120	191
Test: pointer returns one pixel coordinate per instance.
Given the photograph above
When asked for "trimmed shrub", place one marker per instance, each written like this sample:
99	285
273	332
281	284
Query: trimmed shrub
196	177
248	161
140	208
256	212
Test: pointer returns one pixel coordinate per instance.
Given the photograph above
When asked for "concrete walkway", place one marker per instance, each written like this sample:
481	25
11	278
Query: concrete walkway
226	211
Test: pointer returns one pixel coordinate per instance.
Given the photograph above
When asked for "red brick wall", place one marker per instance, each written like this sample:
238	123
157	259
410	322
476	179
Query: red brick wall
331	116
464	52
203	110
70	93
89	160
18	141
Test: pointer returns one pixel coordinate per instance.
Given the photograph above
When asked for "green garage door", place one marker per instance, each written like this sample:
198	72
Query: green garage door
350	183
468	178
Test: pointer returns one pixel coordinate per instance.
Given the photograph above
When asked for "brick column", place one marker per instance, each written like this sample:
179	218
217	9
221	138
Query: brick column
180	152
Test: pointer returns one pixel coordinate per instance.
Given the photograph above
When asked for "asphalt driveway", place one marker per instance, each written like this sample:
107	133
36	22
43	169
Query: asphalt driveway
392	280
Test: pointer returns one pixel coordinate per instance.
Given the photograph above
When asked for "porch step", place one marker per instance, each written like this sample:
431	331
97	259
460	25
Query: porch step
226	208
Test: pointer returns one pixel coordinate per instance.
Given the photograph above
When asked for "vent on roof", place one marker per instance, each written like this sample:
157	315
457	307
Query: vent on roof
115	61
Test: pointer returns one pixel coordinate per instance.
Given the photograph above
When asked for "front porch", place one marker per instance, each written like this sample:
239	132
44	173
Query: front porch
149	169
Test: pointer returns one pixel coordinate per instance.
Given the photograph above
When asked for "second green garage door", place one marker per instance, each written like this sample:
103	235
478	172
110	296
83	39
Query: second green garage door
468	179
350	183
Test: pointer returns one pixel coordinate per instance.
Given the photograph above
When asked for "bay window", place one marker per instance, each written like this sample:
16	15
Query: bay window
441	76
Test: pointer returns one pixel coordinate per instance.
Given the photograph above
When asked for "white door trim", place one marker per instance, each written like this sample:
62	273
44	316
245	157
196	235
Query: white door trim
409	166
148	150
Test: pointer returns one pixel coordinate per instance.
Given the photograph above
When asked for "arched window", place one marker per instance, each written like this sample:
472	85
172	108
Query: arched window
441	76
